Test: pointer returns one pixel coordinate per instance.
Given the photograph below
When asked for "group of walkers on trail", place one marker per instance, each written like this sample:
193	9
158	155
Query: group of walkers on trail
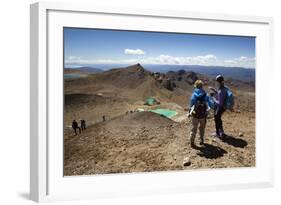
76	127
220	99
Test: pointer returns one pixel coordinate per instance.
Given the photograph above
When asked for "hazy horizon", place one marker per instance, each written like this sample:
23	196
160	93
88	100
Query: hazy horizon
113	65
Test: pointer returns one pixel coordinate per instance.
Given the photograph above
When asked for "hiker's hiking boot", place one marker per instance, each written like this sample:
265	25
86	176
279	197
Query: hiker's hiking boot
220	135
192	144
215	134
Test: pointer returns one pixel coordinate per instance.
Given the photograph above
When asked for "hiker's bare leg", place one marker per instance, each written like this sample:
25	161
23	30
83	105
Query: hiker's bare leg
202	127
193	130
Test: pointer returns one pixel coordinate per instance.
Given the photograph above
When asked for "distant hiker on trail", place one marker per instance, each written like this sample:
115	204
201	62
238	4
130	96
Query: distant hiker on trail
83	124
75	126
103	118
220	105
200	104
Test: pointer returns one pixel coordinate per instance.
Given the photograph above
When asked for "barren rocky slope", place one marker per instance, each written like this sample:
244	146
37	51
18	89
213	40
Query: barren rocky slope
131	141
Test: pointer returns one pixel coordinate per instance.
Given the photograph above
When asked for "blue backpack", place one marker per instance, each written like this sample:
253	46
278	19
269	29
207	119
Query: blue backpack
229	101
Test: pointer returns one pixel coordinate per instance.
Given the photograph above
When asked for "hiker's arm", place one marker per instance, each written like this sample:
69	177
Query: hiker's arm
192	101
220	98
210	102
215	100
191	104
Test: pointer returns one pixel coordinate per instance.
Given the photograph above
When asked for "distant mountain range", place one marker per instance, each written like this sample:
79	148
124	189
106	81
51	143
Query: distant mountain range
238	73
243	74
85	69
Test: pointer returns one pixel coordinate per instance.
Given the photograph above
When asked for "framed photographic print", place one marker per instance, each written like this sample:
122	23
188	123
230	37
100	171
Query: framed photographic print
128	102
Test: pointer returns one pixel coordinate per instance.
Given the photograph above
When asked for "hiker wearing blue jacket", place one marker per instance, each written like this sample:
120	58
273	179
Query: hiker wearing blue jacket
200	104
220	101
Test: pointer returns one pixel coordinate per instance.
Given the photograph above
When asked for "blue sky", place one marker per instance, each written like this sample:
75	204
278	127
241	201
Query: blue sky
95	46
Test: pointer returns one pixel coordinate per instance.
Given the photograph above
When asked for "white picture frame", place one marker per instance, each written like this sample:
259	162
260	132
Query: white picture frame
47	182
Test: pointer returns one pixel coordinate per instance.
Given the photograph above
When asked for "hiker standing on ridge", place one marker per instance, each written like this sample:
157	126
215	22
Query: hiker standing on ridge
220	101
83	125
75	126
200	104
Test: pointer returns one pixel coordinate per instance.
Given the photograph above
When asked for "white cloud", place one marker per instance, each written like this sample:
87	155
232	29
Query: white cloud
206	60
242	61
134	51
74	58
196	60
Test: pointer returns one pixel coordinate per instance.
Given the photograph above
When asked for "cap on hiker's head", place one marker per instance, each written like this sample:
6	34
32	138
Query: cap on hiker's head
198	84
219	78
